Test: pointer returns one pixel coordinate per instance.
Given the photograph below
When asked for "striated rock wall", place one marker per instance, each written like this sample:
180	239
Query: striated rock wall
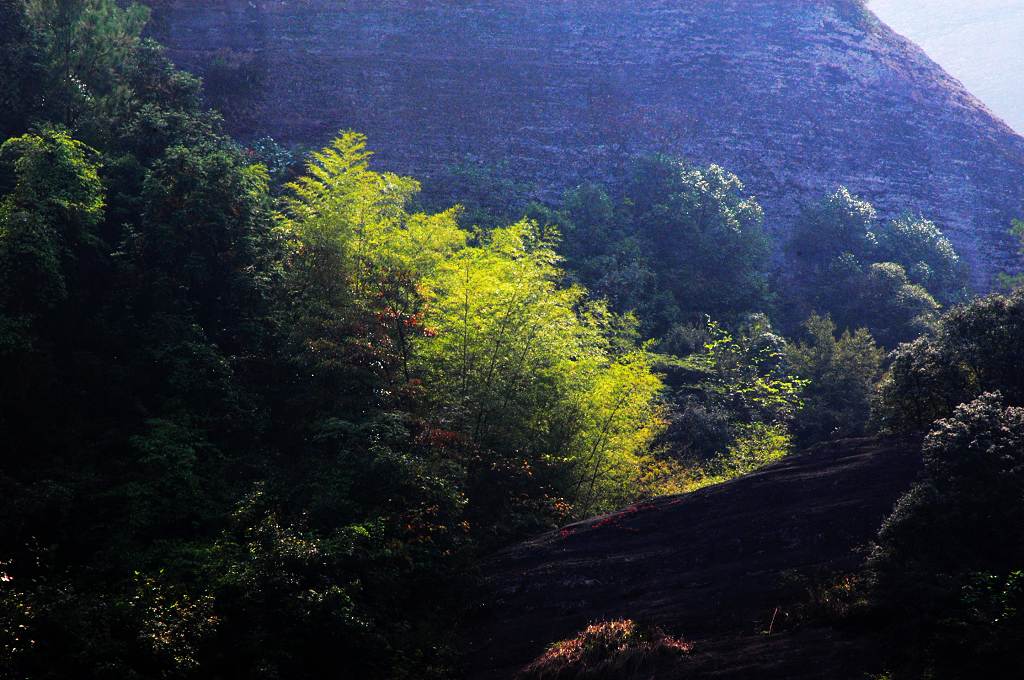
795	96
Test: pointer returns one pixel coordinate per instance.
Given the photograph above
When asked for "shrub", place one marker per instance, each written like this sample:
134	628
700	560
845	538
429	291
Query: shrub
949	559
757	445
733	404
618	650
975	349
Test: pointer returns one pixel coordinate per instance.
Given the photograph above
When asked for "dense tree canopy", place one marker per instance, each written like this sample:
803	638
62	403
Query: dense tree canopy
888	277
949	558
513	368
681	243
975	349
261	428
259	440
20	68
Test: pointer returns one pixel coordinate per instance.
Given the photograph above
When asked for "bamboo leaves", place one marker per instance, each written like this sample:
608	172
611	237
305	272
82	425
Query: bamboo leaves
524	369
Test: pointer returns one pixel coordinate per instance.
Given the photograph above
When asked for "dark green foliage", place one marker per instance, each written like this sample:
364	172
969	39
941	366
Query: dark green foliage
122	395
48	221
85	47
248	437
927	256
20	68
732	405
604	254
886	277
894	309
705	238
842	372
975	349
282	163
948	565
841	224
172	505
205	226
234	446
681	244
1011	281
949	558
50	211
337	564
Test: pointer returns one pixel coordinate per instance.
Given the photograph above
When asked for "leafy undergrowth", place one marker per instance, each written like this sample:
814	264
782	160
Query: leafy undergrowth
832	599
757	447
618	650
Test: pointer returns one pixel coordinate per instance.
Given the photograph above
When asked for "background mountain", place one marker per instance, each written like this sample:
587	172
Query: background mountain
796	97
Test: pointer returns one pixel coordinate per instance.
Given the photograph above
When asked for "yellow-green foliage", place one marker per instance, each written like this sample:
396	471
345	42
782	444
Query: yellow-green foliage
757	445
509	358
54	204
753	377
514	364
343	208
749	377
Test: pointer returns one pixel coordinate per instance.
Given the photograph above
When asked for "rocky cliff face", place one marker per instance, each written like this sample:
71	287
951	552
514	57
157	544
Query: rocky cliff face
719	567
795	96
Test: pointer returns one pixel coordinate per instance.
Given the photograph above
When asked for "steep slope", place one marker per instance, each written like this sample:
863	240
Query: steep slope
711	566
796	96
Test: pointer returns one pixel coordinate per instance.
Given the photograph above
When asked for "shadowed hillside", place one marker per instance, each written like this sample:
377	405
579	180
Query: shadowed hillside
795	96
711	567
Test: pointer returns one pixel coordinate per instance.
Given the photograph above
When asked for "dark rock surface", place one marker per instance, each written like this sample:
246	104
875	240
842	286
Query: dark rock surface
795	96
710	566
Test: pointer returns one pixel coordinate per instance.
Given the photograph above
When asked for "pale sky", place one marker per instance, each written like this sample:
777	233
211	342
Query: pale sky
980	42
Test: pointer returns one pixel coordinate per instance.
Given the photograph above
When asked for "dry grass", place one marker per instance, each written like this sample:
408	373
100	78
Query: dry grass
613	650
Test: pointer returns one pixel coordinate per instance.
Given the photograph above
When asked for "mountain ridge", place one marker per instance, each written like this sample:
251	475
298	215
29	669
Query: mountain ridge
794	97
974	40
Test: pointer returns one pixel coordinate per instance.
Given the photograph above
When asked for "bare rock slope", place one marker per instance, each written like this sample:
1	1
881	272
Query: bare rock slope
795	96
713	567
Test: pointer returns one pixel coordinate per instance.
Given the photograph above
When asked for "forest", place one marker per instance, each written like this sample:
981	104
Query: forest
265	409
